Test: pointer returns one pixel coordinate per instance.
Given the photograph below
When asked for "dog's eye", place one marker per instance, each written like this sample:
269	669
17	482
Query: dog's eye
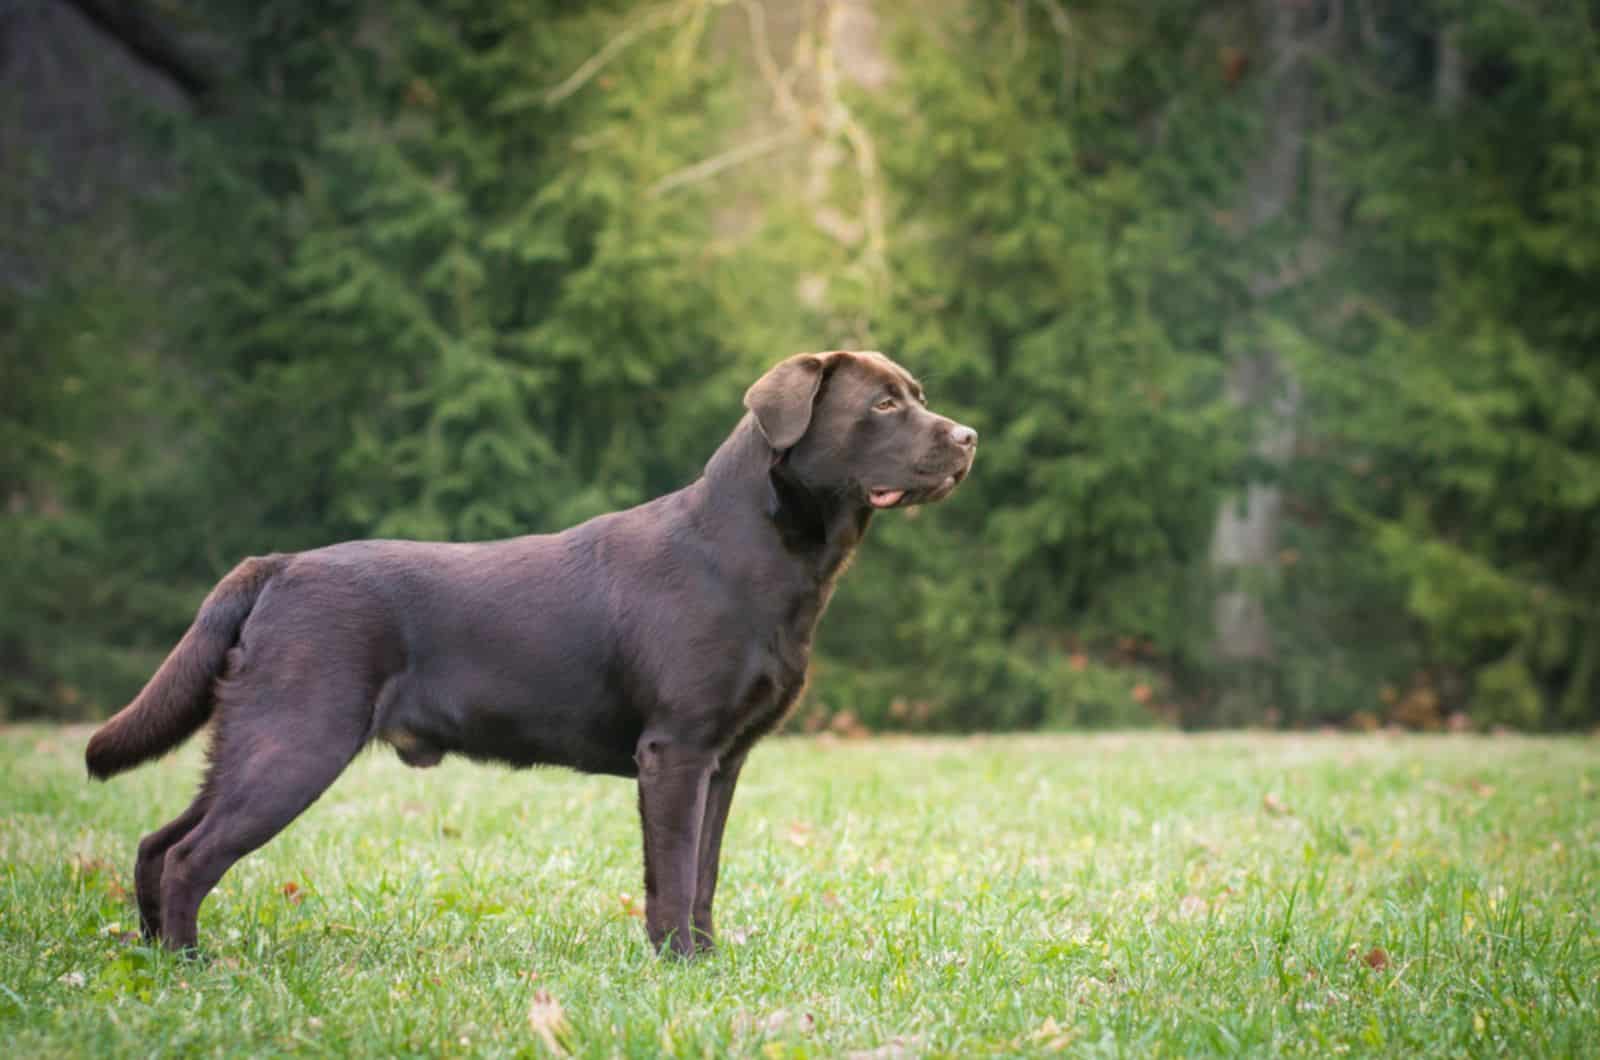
887	404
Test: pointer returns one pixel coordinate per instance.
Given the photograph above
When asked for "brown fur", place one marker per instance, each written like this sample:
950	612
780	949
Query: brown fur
658	643
178	699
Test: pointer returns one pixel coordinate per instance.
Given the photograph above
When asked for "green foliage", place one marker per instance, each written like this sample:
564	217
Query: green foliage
1506	694
1458	386
451	268
474	269
1044	263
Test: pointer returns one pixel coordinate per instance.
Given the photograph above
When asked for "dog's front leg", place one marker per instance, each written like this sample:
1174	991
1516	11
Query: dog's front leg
672	802
719	796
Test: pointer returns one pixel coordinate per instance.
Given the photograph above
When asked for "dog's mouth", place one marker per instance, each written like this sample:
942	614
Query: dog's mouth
889	497
885	498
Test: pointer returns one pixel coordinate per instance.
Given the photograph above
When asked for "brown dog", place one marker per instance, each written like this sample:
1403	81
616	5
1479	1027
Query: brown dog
659	643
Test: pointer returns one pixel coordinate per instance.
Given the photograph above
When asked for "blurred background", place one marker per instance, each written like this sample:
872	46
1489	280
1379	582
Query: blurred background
1279	320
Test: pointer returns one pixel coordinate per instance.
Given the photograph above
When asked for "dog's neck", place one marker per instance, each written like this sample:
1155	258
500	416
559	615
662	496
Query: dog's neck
822	528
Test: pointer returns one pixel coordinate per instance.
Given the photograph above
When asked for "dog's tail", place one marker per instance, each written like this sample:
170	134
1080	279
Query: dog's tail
178	699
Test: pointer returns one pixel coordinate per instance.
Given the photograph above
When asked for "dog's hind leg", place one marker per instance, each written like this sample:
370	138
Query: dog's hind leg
274	756
152	857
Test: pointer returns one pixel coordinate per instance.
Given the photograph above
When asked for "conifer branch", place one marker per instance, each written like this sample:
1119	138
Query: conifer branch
654	18
707	168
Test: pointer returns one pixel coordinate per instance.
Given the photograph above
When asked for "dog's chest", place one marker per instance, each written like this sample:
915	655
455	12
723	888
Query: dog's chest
774	687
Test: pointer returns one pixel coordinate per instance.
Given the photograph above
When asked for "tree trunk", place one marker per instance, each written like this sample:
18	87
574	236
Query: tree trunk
1244	541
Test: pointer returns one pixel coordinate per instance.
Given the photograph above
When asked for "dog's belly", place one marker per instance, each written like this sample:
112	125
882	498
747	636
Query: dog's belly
561	726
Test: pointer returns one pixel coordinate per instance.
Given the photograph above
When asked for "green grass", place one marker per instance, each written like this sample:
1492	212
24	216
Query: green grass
1133	896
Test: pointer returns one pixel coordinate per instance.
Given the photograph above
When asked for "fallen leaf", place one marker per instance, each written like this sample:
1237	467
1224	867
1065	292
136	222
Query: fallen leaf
117	932
631	906
1050	1037
892	1049
292	891
1275	806
548	1022
846	724
1376	959
799	834
83	865
780	1021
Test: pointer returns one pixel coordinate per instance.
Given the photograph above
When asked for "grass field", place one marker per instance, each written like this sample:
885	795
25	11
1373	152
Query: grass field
1125	895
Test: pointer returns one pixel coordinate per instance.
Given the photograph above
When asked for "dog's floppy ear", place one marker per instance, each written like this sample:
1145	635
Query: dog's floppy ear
781	400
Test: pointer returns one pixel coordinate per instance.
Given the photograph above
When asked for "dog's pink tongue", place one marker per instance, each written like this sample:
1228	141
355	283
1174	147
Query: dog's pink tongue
885	498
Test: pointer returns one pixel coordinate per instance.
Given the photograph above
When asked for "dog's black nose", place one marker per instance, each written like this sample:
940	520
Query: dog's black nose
965	437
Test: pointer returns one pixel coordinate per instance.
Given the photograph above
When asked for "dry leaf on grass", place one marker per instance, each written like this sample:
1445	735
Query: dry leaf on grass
779	1021
892	1049
116	932
1376	959
292	891
1050	1037
84	865
548	1022
845	724
799	834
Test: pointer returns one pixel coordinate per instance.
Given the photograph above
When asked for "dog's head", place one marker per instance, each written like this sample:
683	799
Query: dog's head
856	424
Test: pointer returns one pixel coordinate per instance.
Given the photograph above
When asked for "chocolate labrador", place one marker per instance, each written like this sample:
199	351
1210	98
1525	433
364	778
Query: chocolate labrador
659	643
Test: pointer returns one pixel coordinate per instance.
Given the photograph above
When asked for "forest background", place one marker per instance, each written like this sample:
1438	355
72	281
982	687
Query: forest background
1279	321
